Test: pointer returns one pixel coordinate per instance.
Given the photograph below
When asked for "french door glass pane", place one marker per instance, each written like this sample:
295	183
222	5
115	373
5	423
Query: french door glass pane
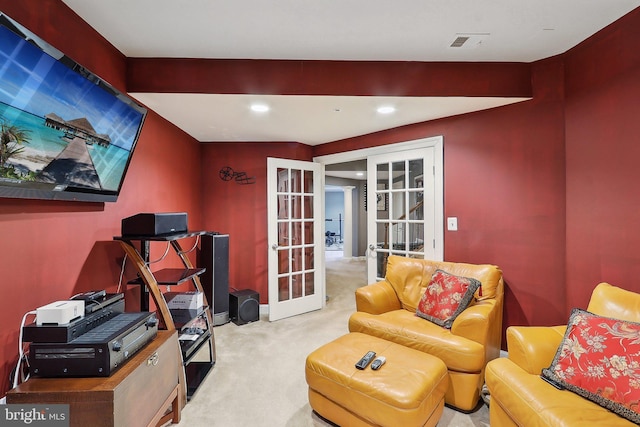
283	233
398	175
283	206
296	260
308	181
296	181
398	202
308	206
382	263
416	173
309	258
283	288
283	261
283	180
296	286
416	209
296	207
309	284
416	233
296	231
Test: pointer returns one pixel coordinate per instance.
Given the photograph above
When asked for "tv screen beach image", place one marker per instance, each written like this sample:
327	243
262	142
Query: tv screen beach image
60	125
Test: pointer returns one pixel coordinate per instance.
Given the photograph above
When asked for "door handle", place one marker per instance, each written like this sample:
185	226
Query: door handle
372	247
274	246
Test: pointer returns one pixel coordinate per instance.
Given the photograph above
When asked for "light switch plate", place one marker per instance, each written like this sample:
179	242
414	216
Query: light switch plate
452	223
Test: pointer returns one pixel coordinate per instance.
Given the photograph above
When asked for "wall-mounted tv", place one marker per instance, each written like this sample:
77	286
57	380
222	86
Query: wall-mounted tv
65	134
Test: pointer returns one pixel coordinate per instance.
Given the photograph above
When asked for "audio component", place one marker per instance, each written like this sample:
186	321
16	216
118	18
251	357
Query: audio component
244	306
59	312
96	314
214	257
154	224
98	352
100	303
190	300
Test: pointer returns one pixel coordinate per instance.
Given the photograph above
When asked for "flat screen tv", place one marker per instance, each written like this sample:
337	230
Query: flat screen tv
65	133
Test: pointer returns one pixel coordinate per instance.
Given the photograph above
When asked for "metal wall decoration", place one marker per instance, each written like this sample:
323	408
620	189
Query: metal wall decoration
227	174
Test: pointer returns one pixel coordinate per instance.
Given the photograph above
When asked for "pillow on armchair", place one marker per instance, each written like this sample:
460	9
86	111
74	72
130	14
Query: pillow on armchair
599	359
446	297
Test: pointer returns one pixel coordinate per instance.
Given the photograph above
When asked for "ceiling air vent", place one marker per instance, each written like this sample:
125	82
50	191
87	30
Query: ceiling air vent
469	40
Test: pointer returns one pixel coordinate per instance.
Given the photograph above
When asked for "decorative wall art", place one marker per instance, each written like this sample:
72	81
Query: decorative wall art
227	174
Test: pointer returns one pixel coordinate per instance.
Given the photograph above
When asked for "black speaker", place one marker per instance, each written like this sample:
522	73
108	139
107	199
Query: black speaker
154	224
244	306
214	256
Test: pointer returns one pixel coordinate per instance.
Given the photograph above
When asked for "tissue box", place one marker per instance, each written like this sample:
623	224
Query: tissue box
184	300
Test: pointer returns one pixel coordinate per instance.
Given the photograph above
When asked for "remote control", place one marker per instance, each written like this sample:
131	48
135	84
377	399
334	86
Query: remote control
364	362
378	363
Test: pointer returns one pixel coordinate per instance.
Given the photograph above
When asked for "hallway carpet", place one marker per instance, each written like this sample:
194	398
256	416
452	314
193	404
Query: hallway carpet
258	379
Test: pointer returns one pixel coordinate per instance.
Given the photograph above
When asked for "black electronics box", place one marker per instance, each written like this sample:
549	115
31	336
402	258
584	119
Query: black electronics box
154	224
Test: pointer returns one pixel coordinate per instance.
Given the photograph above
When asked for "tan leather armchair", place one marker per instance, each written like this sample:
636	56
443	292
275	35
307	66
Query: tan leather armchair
519	397
387	309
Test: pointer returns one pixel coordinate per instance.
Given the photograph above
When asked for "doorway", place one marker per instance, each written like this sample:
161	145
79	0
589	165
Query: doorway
425	192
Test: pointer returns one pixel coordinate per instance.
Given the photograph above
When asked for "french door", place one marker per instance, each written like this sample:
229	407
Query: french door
402	214
296	244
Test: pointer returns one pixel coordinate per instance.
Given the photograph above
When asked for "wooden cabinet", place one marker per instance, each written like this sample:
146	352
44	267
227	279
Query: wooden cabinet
143	392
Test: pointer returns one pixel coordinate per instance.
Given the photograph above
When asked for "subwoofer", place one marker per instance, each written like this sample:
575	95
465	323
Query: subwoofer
214	257
244	306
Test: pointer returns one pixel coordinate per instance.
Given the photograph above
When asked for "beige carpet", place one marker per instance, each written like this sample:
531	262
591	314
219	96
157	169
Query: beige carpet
258	379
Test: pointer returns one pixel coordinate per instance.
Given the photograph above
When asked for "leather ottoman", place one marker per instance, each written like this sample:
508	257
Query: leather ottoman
408	390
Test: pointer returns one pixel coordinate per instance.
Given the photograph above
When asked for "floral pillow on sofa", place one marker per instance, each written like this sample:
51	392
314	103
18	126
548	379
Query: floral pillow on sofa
446	297
599	359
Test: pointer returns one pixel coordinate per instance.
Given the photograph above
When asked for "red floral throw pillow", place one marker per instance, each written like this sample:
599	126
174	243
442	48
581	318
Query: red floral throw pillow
599	359
446	297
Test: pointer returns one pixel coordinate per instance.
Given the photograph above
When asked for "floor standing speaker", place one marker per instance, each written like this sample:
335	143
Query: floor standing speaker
214	257
244	306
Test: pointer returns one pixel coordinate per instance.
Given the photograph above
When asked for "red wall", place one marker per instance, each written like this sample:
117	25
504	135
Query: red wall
241	210
52	250
603	151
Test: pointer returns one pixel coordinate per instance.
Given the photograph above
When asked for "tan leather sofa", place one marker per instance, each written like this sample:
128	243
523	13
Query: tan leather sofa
387	309
519	397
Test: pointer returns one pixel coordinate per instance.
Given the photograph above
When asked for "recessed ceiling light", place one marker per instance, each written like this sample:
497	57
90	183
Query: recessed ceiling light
259	108
386	109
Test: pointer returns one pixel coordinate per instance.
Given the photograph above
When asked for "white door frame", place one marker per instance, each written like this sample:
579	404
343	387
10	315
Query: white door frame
437	142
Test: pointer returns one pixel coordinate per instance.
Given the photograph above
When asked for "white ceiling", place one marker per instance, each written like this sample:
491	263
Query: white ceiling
404	30
311	120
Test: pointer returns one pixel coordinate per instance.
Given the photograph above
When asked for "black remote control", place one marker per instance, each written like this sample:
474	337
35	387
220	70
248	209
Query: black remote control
364	362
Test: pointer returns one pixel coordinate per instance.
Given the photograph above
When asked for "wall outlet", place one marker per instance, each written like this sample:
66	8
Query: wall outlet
452	223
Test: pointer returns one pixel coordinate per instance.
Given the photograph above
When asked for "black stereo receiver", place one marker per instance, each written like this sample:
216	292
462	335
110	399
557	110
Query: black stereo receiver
97	353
